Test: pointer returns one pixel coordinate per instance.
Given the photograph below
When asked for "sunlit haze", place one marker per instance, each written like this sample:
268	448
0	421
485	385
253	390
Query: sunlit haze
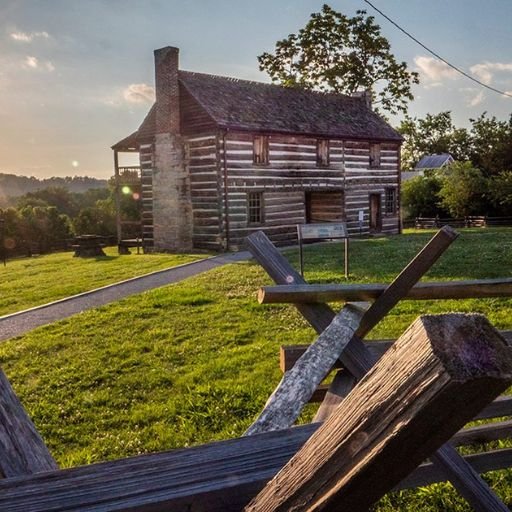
77	76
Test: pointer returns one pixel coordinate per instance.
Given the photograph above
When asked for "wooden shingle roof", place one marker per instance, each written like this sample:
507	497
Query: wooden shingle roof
259	107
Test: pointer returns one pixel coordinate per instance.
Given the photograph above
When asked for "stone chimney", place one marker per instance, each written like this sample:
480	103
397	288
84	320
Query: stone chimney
167	90
172	204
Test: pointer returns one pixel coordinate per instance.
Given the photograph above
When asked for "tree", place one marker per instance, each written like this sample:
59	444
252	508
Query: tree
435	133
60	197
491	144
420	197
99	219
464	189
334	52
43	227
500	192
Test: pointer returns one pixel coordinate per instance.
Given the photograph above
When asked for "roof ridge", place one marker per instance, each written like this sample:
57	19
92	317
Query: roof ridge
268	84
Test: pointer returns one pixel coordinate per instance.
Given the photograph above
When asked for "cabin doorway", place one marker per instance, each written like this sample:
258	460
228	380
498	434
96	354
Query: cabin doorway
375	214
325	207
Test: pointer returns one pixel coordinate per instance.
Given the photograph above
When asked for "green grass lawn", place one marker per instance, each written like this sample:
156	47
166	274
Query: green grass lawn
29	282
196	361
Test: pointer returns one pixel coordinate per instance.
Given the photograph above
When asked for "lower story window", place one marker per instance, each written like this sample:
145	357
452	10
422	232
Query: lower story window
255	207
390	201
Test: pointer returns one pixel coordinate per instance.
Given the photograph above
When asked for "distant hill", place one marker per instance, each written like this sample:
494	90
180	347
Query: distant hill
12	185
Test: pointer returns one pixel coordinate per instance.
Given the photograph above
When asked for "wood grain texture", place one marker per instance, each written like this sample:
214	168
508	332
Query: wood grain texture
355	358
216	477
288	354
410	275
438	375
339	388
471	289
467	481
22	450
298	384
386	301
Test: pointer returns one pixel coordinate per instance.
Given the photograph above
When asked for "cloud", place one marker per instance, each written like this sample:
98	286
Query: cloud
485	71
139	93
32	62
24	37
434	69
433	85
476	100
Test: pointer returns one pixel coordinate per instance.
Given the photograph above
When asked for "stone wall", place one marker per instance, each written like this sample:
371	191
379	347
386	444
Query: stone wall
172	207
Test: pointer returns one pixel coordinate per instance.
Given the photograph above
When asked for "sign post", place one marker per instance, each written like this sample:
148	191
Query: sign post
324	231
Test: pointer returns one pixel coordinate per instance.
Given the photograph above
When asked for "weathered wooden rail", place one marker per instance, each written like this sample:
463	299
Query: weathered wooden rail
306	293
443	372
357	359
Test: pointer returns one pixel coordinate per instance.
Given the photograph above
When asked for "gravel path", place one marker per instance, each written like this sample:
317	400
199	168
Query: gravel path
21	322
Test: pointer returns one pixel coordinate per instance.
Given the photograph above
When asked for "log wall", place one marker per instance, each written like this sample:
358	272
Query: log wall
222	174
292	173
361	181
205	190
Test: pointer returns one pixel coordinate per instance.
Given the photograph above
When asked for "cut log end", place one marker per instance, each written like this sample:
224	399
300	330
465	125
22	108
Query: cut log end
468	346
440	373
449	231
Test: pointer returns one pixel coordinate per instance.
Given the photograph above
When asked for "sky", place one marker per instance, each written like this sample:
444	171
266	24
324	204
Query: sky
76	76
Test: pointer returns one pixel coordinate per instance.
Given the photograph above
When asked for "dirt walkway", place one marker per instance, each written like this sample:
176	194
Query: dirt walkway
21	322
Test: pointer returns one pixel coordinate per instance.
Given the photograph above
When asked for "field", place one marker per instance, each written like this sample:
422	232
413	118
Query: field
29	282
195	361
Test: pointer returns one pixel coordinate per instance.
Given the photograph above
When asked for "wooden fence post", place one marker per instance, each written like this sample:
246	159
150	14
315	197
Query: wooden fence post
22	451
440	373
298	384
357	359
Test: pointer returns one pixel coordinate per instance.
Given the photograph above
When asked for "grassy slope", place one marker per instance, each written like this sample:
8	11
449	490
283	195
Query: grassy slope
196	361
28	282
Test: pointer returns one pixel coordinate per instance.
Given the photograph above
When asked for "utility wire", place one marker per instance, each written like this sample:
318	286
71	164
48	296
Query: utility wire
461	71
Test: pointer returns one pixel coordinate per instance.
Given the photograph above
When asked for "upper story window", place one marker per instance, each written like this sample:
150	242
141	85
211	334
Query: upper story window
260	149
255	208
374	156
390	201
322	152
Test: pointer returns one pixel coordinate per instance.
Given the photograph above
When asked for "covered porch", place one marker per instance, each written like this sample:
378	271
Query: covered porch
129	196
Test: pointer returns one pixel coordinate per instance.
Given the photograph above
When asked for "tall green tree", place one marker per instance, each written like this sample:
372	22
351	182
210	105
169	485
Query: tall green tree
420	197
335	52
464	190
60	197
491	144
500	192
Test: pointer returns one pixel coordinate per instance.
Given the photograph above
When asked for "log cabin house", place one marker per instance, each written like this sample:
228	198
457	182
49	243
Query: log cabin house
222	157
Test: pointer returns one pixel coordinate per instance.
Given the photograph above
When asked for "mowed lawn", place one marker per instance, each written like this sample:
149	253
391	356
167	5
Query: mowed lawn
196	361
29	282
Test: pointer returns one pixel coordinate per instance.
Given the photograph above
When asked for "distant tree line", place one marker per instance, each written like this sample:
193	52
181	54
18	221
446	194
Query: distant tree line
42	220
13	186
478	183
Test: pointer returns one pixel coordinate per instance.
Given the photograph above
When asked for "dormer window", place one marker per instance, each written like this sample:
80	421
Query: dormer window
322	152
374	156
260	149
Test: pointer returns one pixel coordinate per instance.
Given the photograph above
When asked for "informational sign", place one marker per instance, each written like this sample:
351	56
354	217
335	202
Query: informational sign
322	231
